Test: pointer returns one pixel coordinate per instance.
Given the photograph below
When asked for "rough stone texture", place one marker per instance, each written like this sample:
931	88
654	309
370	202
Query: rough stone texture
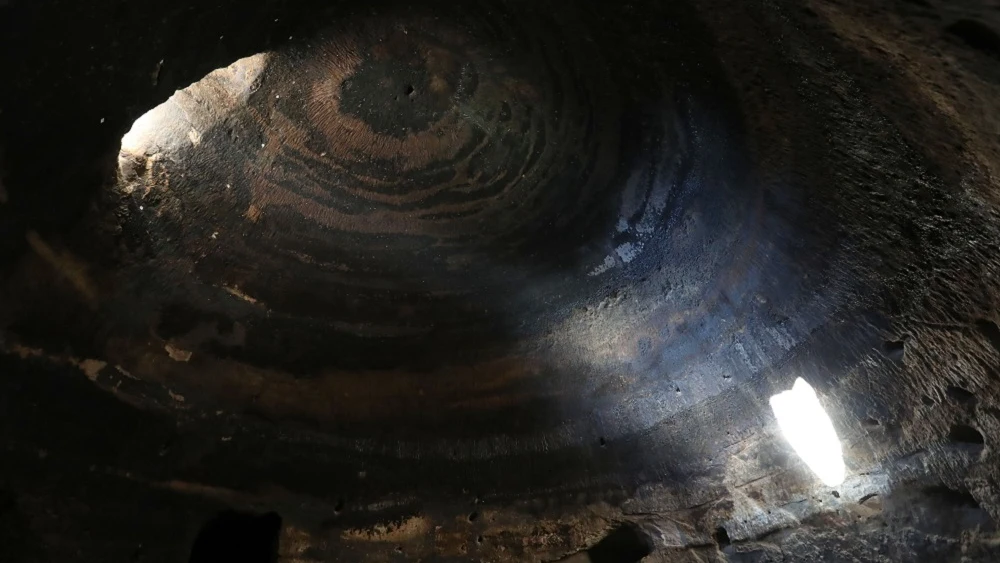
502	281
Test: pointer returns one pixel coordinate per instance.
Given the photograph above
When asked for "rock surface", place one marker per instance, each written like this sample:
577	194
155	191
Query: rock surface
498	280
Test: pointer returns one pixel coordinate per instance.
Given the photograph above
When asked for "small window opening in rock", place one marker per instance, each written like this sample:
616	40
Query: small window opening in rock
809	430
624	544
174	128
965	434
238	536
721	537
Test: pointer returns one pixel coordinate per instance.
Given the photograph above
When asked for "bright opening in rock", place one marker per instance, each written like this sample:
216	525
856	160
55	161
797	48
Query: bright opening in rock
810	431
178	125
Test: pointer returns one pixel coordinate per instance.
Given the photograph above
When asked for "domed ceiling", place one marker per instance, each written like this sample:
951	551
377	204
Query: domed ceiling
499	281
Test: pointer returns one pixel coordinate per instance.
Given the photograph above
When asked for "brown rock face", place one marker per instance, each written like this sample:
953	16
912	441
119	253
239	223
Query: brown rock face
496	280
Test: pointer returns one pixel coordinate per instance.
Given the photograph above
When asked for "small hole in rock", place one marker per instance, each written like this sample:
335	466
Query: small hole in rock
926	400
990	331
399	550
976	35
894	349
409	90
625	544
479	539
871	422
867	498
721	537
602	441
948	496
960	395
836	494
339	507
473	516
965	434
237	536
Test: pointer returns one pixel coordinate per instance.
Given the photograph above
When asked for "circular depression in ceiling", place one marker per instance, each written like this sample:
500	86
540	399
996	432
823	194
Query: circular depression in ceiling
509	219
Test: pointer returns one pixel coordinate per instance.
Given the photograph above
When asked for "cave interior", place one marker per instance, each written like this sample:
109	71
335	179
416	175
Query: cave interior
576	281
